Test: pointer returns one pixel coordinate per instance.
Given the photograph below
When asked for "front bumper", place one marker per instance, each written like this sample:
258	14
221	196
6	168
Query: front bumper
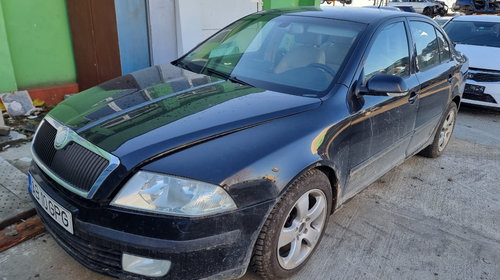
489	98
218	246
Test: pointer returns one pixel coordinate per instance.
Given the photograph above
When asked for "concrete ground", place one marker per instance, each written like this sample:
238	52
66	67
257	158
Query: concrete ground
426	219
478	125
14	199
18	155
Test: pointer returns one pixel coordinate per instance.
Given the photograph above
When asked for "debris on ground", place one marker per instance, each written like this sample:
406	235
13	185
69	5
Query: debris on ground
11	233
4	130
17	233
16	128
18	103
66	96
38	102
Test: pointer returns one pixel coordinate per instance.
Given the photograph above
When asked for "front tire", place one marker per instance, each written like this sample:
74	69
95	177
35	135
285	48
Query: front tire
294	227
443	134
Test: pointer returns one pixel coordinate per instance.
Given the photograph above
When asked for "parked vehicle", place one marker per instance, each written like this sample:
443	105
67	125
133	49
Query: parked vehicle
425	7
408	9
478	37
442	20
238	152
443	10
469	7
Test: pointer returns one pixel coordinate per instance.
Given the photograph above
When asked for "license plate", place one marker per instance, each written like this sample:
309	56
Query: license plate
474	89
60	214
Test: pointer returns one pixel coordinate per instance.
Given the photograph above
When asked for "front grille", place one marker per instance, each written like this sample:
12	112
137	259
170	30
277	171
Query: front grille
74	164
88	254
44	143
483	97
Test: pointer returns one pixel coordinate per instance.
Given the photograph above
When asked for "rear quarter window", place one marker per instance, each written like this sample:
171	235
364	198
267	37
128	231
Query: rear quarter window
424	36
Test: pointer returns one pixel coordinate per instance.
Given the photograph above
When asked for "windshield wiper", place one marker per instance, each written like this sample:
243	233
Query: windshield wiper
233	79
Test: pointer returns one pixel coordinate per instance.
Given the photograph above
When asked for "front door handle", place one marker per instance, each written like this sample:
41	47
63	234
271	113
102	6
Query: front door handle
413	97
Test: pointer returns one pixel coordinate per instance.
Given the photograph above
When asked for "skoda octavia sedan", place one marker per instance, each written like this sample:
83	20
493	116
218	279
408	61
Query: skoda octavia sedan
478	37
236	154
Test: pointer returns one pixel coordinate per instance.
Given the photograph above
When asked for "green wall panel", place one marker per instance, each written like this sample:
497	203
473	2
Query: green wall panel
40	42
7	77
276	4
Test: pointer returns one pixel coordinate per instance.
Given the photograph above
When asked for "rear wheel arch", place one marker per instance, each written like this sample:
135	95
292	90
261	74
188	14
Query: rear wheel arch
443	132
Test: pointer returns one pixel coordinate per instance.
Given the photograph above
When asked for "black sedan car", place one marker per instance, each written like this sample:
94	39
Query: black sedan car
236	154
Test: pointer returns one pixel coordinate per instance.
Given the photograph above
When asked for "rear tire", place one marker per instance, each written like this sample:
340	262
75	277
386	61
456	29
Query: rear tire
294	227
443	133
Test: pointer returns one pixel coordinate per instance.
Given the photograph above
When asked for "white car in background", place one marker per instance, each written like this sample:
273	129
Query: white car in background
478	37
425	7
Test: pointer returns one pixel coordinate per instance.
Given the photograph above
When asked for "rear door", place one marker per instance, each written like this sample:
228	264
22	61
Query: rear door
382	127
435	73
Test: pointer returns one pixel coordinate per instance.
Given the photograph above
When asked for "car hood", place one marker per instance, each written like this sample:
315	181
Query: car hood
163	108
481	57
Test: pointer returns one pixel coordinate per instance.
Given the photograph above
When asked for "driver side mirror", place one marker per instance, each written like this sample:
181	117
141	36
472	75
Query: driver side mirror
385	85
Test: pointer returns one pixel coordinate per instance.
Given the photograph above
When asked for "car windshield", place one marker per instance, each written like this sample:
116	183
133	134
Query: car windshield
290	54
474	33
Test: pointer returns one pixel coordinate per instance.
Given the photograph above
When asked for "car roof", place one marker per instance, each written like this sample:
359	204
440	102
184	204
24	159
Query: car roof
355	14
479	18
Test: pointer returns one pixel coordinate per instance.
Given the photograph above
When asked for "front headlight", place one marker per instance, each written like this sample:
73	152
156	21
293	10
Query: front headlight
165	194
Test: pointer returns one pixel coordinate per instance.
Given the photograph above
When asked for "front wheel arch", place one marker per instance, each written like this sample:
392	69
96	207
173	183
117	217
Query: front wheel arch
332	175
334	183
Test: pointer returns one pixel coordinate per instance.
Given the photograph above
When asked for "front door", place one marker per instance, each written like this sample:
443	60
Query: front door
382	128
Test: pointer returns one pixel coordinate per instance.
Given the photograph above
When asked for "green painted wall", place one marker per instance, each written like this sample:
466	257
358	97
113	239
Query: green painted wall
274	4
7	78
39	40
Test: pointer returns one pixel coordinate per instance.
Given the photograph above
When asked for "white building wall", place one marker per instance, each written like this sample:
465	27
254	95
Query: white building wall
189	23
162	31
219	13
177	26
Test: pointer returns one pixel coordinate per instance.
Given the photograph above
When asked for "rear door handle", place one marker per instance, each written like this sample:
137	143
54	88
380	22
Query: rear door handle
413	97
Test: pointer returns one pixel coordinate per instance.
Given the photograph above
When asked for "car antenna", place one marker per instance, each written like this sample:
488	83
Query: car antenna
380	4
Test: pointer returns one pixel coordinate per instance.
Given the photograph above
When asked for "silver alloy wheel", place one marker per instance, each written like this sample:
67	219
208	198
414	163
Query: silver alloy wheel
302	229
446	130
